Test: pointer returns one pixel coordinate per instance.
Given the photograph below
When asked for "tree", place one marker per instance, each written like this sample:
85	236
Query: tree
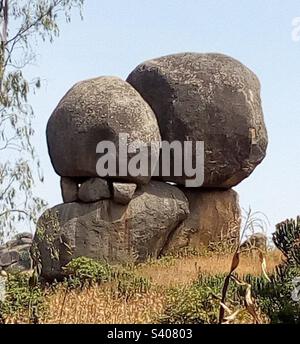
22	23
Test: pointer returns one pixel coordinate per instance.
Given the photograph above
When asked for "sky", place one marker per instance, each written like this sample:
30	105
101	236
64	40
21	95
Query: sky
116	35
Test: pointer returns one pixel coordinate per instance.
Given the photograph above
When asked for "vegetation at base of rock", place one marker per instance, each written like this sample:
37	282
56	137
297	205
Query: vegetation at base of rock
28	302
85	271
275	298
22	300
197	303
141	291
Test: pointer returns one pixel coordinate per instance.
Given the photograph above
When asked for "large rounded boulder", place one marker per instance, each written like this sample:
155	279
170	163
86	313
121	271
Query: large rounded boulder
99	110
109	231
211	98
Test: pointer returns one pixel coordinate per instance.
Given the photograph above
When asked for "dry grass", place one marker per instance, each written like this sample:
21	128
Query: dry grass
185	270
100	304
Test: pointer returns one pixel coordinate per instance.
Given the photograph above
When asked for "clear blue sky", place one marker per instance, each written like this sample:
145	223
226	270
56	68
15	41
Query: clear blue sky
117	35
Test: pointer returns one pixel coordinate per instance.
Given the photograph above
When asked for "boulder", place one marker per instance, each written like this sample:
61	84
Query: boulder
211	98
123	192
8	258
15	254
23	261
215	217
12	243
255	240
25	241
24	235
109	231
99	110
18	240
69	189
93	189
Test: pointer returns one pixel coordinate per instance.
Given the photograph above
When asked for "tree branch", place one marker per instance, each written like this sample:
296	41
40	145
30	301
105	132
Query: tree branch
14	211
22	31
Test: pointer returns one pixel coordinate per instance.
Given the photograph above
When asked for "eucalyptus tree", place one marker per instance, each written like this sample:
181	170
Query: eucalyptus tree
22	24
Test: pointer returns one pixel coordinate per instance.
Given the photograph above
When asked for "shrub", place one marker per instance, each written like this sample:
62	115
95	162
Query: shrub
22	299
85	270
198	303
275	297
287	239
129	283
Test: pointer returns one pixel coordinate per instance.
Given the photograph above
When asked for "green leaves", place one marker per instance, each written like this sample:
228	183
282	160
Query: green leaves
23	22
287	239
84	270
21	299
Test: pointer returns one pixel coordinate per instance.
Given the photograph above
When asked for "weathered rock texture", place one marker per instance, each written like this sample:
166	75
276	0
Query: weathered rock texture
15	254
69	189
108	231
214	218
211	98
94	189
98	110
123	192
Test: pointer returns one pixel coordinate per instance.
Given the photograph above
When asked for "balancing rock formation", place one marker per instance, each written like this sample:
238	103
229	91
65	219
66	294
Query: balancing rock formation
183	97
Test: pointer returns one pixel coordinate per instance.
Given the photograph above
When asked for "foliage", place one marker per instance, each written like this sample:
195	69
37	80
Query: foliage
85	271
129	283
275	297
22	300
22	23
287	239
199	302
189	303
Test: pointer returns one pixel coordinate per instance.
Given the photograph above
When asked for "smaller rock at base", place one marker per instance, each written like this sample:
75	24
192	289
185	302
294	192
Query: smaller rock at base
12	243
255	241
123	192
26	235
69	189
8	258
93	190
24	241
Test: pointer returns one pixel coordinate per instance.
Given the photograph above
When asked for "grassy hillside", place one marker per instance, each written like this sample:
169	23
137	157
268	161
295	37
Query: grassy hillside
182	289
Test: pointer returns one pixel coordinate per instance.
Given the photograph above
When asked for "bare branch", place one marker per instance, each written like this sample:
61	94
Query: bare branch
14	211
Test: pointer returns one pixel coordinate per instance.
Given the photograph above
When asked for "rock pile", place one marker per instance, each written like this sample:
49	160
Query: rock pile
15	254
121	217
